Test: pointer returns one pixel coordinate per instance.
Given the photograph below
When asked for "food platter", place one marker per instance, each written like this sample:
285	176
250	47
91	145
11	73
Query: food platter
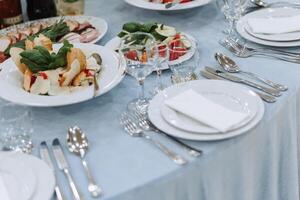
11	80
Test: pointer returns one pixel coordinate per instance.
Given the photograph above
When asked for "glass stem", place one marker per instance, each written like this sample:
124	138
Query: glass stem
142	92
159	73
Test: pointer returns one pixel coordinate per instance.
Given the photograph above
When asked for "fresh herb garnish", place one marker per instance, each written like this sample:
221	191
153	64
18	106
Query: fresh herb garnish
39	58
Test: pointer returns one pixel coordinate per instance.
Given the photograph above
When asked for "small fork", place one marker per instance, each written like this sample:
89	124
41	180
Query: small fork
133	130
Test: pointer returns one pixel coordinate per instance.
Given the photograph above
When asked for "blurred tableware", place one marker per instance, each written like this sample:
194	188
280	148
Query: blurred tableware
263	4
70	7
230	95
78	143
135	131
112	74
16	128
265	97
139	52
243	51
30	166
161	7
230	66
146	125
184	67
45	155
64	167
273	14
236	79
37	9
171	4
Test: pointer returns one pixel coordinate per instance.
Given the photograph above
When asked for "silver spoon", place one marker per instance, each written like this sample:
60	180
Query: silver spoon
230	66
78	144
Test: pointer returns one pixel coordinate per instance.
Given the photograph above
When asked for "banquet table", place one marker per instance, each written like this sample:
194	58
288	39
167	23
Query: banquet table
260	164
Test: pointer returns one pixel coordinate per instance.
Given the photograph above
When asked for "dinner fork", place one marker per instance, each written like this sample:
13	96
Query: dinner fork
133	130
245	52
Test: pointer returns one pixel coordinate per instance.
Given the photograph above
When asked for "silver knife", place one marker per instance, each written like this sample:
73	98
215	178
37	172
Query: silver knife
171	4
265	97
236	79
63	165
44	153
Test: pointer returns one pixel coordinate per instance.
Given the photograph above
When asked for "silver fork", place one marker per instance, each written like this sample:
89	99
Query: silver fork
146	125
245	52
133	130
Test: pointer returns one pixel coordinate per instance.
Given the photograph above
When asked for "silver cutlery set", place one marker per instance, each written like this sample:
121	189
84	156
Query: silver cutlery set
269	90
77	143
138	125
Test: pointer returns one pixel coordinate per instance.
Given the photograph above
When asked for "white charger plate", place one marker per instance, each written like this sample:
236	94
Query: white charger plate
186	123
115	43
205	86
276	40
99	23
20	181
161	7
11	80
44	175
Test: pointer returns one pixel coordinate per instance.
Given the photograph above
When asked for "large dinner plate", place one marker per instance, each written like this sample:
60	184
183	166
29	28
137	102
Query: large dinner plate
276	40
99	23
44	175
161	7
207	88
11	81
115	43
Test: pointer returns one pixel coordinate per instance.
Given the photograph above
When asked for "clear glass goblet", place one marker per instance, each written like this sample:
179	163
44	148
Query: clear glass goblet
140	54
183	61
15	128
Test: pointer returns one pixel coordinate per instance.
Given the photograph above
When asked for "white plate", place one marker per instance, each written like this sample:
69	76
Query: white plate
20	181
99	23
115	43
243	29
204	86
161	7
11	80
186	123
44	175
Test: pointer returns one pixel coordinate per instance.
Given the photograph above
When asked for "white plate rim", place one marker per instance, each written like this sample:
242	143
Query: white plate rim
165	127
87	92
160	7
99	23
241	29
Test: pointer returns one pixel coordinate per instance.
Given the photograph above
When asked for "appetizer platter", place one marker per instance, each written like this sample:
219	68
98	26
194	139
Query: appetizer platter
164	35
159	5
83	29
45	74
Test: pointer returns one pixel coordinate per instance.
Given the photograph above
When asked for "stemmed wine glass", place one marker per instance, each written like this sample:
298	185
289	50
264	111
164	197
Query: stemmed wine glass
232	10
140	54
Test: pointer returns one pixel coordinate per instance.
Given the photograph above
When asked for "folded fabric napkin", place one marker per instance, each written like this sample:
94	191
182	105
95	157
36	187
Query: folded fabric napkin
275	25
3	191
199	108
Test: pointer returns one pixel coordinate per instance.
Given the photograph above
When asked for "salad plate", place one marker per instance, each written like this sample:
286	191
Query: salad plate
163	34
209	89
146	4
39	94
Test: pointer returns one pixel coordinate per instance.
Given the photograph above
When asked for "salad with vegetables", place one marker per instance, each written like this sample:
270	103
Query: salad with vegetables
49	72
166	36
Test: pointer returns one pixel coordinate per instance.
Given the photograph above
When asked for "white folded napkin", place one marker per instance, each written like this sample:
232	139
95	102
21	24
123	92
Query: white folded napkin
275	25
3	190
199	108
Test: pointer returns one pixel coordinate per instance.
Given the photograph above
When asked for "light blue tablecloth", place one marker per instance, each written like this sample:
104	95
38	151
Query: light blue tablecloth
262	164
